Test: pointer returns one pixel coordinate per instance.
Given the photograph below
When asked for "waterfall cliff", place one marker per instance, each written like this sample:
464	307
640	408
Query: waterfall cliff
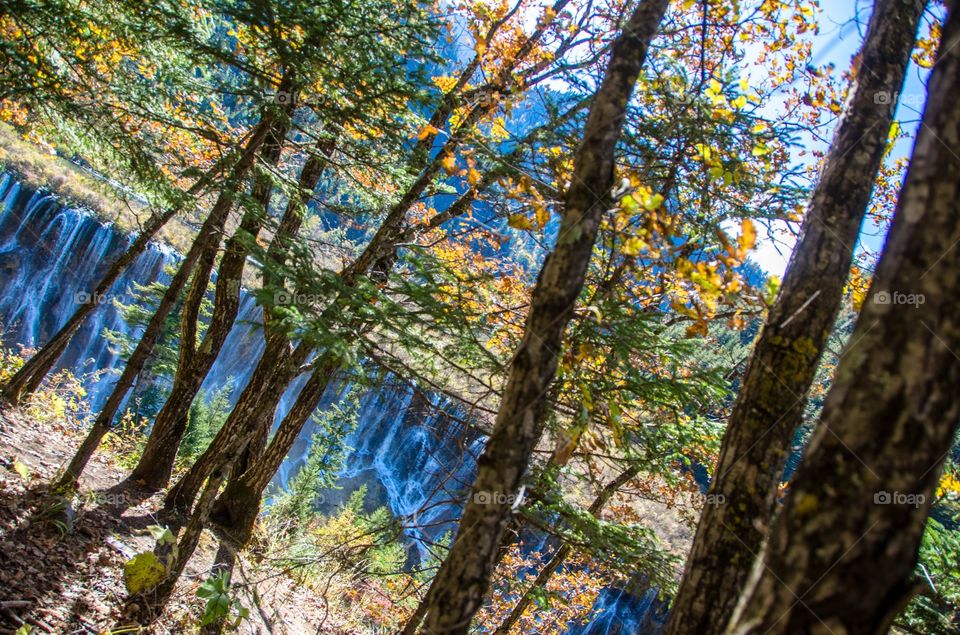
414	450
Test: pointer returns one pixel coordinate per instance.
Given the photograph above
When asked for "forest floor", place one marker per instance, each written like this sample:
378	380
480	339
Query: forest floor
61	572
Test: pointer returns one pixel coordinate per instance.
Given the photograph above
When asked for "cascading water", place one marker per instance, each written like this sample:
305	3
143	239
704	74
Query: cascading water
415	451
51	258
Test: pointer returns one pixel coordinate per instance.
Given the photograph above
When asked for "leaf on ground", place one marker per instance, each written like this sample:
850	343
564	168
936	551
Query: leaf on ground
143	571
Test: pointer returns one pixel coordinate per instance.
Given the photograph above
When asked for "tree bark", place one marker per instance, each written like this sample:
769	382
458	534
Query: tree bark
210	230
156	463
254	409
277	366
377	253
770	403
841	554
458	589
150	604
237	508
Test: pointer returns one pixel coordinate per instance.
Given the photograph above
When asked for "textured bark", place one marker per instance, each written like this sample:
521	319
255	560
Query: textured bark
458	589
562	553
254	410
155	466
378	255
604	292
842	552
782	366
211	229
237	508
277	366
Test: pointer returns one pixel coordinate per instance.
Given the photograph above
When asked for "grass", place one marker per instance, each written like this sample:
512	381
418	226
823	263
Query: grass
40	168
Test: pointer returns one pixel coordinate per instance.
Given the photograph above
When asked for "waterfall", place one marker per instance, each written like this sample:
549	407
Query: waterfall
51	258
414	450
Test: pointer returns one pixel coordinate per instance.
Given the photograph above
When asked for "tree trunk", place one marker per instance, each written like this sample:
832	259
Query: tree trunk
211	229
460	584
562	553
274	370
149	605
770	404
841	554
384	241
378	255
195	361
237	508
254	409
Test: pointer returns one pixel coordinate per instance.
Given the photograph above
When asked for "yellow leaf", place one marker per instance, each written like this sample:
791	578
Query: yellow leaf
445	82
948	485
426	131
542	214
652	202
143	572
519	221
632	246
498	131
21	469
748	236
449	164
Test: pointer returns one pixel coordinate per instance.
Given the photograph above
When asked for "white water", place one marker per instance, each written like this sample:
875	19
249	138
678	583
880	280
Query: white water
411	449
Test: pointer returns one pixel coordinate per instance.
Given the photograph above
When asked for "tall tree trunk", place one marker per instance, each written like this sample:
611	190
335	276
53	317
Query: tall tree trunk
277	366
211	229
460	584
195	360
378	252
256	400
255	408
840	556
562	553
238	506
770	404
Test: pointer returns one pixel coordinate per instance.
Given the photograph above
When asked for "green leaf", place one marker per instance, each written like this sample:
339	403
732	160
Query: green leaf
162	535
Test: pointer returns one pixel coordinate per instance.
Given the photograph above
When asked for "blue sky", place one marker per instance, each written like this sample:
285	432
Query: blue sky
842	26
